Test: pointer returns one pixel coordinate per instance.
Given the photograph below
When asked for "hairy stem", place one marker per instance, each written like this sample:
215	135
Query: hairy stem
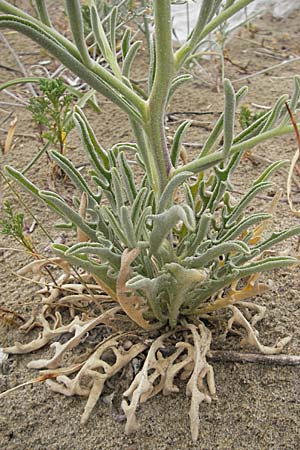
209	160
164	73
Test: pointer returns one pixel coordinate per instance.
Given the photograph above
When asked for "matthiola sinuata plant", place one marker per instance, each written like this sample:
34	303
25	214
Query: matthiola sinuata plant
168	249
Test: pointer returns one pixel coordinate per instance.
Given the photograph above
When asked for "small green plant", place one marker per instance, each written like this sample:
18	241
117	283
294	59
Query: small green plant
52	111
12	225
169	249
247	117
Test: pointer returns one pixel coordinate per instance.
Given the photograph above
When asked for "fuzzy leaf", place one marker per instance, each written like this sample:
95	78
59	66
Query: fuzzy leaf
137	206
244	202
164	222
177	83
29	186
112	28
55	201
73	8
214	252
201	234
64	51
114	225
127	177
130	56
42	12
236	231
294	101
125	43
229	116
177	141
93	248
269	172
100	272
167	195
127	226
66	165
277	237
96	154
152	289
275	113
141	228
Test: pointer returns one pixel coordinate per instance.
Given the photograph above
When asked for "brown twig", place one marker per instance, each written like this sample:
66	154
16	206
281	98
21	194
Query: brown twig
255	358
190	113
244	69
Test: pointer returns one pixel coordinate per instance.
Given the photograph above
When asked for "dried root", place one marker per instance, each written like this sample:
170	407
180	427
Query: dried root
195	387
77	326
98	369
159	371
251	337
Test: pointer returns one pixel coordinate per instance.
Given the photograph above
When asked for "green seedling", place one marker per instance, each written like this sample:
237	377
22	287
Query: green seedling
12	225
52	112
247	117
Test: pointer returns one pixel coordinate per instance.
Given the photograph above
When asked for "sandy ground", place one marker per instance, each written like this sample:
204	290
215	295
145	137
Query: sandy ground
258	407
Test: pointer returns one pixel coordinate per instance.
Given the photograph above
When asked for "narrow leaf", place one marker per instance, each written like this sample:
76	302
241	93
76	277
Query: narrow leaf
93	248
55	201
125	43
275	113
128	60
42	12
229	116
112	28
168	193
127	226
214	252
177	141
163	223
66	165
73	8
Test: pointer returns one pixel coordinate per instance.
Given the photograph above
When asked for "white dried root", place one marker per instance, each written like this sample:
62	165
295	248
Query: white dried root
77	326
196	387
251	334
140	386
158	375
98	369
248	307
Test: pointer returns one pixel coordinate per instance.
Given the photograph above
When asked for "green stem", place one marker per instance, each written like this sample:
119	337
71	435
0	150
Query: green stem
212	159
250	143
34	160
164	74
201	164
